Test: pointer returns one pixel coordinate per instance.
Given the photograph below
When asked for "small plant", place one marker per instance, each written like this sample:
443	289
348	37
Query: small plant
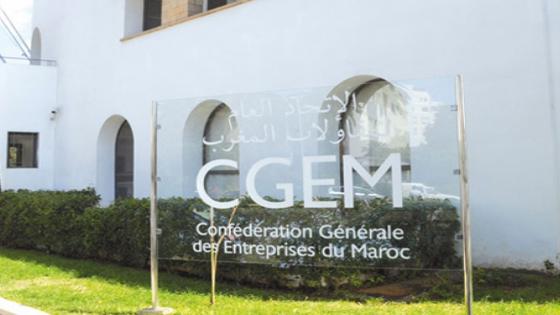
214	253
549	266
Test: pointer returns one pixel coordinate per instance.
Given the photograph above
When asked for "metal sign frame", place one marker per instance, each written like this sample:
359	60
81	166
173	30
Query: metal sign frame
464	183
464	190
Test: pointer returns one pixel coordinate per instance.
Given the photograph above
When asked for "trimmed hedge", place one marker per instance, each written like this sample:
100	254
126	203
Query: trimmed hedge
430	227
73	225
45	220
118	233
70	224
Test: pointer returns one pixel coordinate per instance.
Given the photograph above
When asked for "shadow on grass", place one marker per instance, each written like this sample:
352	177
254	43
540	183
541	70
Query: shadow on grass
490	285
516	285
140	278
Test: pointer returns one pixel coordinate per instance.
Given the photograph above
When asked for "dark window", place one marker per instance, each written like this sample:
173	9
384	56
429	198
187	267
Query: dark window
124	163
152	14
212	4
22	149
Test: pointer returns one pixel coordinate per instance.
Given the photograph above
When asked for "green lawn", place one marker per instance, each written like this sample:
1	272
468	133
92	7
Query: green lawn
66	286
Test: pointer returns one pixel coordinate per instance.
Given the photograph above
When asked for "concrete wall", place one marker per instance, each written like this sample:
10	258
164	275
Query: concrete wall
506	53
27	96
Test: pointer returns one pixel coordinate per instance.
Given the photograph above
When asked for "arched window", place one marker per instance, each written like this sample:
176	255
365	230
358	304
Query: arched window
375	125
220	141
124	162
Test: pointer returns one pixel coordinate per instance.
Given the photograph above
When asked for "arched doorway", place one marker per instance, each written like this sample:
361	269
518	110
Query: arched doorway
210	121
124	162
115	160
221	182
375	124
370	112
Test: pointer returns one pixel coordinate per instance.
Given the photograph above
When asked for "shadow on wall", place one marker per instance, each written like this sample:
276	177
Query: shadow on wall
36	47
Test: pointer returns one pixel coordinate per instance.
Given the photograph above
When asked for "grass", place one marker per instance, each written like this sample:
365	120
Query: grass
66	286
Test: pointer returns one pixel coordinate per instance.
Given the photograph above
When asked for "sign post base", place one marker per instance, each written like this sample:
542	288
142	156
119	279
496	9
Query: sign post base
156	311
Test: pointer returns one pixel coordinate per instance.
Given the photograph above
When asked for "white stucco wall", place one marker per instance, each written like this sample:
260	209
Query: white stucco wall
507	51
27	97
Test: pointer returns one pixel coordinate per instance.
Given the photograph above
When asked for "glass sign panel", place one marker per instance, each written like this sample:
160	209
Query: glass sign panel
363	175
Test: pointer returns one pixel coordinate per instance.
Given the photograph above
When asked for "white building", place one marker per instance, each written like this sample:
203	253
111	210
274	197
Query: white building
109	70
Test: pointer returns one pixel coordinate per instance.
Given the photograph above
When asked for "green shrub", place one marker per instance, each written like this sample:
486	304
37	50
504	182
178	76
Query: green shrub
72	224
44	220
430	227
119	233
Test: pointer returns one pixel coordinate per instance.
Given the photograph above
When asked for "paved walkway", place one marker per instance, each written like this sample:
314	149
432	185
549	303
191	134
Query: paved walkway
12	308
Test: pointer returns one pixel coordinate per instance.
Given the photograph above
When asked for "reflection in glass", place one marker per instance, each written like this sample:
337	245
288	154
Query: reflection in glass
199	6
376	124
22	149
220	135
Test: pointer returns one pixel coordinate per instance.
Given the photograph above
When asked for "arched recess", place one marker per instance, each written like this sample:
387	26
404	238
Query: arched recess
36	47
370	112
124	162
206	115
107	155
